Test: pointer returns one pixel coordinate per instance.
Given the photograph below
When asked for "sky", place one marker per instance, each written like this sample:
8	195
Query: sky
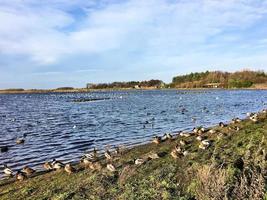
56	43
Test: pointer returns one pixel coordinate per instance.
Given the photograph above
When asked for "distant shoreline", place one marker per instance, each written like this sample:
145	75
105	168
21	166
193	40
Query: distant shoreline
84	90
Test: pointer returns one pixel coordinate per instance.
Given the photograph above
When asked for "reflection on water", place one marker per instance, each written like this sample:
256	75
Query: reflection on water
57	127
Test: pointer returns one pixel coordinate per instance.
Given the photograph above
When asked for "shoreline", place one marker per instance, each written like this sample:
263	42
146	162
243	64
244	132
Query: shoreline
83	90
233	142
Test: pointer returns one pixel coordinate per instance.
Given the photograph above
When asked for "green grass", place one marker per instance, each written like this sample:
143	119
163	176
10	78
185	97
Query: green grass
163	178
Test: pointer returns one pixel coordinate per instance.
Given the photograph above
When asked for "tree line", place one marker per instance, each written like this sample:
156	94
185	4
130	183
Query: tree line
131	84
240	79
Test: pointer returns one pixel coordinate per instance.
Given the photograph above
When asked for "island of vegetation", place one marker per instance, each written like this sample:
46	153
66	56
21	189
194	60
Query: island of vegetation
210	79
228	161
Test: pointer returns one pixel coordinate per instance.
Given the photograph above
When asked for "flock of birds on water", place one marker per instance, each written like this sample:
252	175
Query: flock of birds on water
91	160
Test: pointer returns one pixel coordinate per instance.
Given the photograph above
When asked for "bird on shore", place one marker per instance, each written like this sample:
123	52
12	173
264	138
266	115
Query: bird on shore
185	134
153	156
108	155
111	167
118	150
57	164
183	142
8	171
92	156
174	154
157	140
167	136
235	120
204	144
69	169
139	161
28	171
178	148
85	161
47	166
221	124
20	176
212	131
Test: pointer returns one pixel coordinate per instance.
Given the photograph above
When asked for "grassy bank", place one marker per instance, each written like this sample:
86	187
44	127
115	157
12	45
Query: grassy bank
233	167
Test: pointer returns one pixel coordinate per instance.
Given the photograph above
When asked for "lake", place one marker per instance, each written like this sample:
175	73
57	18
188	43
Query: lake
58	126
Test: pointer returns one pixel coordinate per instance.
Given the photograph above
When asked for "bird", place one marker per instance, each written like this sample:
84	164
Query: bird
183	142
174	154
199	138
111	167
20	176
28	171
92	156
195	130
212	131
185	153
157	140
139	161
69	169
47	166
221	124
178	148
8	171
57	164
20	141
153	156
108	155
118	150
168	136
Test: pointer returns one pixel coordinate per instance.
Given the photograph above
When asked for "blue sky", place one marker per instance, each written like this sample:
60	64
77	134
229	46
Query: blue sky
54	43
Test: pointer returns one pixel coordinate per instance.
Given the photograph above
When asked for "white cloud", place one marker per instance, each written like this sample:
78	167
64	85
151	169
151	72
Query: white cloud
47	31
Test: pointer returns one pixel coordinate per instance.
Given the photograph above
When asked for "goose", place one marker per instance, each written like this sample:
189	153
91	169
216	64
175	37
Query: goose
47	166
183	142
20	141
139	161
168	136
221	124
92	156
174	154
111	167
118	150
20	176
195	130
199	138
185	153
108	155
69	169
28	171
153	156
57	164
178	148
212	131
206	142
157	140
95	166
184	134
8	171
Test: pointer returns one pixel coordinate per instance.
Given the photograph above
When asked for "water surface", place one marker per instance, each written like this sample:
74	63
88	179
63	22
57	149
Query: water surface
57	127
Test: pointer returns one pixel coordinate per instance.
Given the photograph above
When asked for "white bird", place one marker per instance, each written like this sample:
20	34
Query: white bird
8	171
111	167
139	161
